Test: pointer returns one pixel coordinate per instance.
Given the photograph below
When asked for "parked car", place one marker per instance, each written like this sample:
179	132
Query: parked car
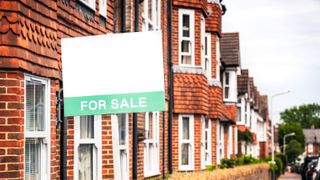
305	166
311	171
316	172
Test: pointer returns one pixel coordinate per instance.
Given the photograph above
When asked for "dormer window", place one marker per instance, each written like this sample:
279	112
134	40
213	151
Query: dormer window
186	37
207	54
230	86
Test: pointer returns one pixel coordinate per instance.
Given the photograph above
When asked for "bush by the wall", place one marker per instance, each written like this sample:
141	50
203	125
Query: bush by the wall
211	167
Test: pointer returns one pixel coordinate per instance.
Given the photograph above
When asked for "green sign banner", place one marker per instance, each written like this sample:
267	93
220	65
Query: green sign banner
114	103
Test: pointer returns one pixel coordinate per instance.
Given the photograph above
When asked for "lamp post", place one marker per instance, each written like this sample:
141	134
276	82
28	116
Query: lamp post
272	122
284	141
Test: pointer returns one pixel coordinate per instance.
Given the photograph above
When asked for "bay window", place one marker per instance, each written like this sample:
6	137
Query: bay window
186	142
151	15
206	152
120	140
230	86
218	58
186	37
87	147
37	128
151	144
230	136
207	55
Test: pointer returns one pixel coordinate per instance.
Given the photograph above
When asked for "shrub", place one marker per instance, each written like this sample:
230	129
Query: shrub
211	167
283	158
227	163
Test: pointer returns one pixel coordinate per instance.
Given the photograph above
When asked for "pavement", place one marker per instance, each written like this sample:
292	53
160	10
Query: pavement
290	176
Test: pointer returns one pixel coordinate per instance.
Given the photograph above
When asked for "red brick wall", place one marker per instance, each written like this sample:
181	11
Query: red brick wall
12	126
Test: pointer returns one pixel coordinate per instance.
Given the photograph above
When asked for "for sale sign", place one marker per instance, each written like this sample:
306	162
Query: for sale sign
114	73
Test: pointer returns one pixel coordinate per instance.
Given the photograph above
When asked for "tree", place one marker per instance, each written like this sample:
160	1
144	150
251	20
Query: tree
293	150
307	115
291	127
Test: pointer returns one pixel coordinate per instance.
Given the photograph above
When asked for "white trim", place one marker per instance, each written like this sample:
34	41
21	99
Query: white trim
117	147
190	141
232	85
236	140
156	16
218	56
220	142
230	136
91	4
103	8
155	143
207	56
206	130
96	141
202	143
191	38
45	135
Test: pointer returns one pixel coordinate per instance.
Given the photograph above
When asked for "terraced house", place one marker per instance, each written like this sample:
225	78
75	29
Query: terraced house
202	93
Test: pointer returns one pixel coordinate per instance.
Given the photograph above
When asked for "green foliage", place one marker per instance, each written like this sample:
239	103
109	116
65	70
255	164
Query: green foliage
228	163
283	158
211	167
245	136
306	115
293	150
277	167
291	127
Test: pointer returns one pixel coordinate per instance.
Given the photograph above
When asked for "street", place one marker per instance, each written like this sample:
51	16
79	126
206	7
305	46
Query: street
290	176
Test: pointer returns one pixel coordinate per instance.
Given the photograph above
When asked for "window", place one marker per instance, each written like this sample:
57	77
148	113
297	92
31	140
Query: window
235	140
310	148
151	15
186	37
226	85
120	139
186	140
37	128
103	7
206	143
218	57
220	142
87	147
207	55
229	142
90	3
151	144
230	86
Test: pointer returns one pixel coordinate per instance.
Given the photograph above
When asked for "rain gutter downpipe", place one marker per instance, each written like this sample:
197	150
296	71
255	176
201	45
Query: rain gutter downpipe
135	119
63	134
170	115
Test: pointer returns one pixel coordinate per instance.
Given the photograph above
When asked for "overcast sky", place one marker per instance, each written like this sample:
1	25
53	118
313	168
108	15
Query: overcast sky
280	45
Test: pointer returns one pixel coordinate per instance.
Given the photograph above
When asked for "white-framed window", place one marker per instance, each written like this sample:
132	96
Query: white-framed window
203	39
90	3
206	144
151	144
103	7
186	142
120	140
236	140
87	147
218	57
37	128
207	55
230	141
151	15
230	86
186	37
220	142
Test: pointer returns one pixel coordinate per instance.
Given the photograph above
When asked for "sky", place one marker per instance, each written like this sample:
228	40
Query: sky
280	45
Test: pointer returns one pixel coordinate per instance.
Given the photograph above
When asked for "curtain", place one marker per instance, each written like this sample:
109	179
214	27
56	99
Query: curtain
86	127
85	161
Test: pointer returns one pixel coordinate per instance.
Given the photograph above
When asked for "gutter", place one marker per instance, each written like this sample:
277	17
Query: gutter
63	134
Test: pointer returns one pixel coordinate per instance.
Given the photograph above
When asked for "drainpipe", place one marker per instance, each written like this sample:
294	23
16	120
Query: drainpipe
170	115
163	146
135	119
63	134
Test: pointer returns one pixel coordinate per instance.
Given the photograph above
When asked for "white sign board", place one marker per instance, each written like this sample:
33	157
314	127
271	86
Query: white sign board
113	73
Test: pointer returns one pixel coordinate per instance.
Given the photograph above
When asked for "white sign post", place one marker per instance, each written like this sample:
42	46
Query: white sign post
114	73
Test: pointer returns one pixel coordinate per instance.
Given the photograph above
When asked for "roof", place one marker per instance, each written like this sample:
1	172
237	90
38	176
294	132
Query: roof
311	135
230	49
243	82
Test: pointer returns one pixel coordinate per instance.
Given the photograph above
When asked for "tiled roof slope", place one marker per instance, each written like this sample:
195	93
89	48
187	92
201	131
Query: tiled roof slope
230	49
243	82
264	106
311	134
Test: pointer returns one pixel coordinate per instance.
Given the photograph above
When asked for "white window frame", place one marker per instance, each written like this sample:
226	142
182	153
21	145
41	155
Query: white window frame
156	16
230	141
236	140
91	4
220	142
103	8
232	86
203	37
191	38
206	130
189	167
117	147
310	148
207	56
218	57
155	141
96	141
44	135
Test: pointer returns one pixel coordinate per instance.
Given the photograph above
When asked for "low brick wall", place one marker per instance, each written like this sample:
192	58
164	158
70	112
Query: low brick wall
251	172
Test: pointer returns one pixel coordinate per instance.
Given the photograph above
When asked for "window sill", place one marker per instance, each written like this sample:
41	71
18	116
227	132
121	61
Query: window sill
151	174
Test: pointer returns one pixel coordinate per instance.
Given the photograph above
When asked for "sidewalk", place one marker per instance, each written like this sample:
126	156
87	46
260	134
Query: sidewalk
290	176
